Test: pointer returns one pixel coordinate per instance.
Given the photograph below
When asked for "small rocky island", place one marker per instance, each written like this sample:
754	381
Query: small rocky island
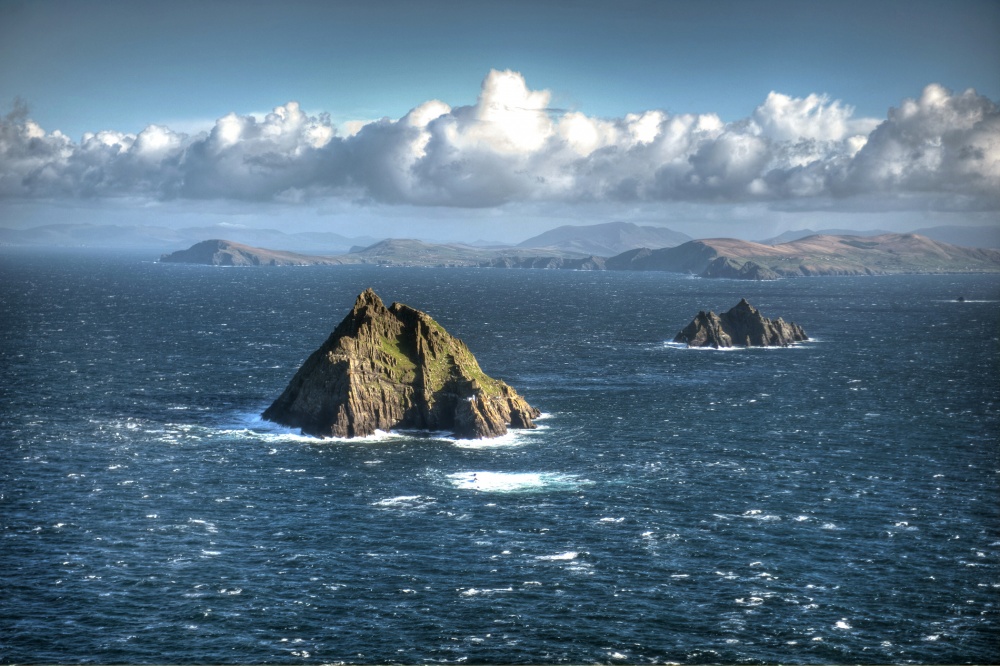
742	325
384	368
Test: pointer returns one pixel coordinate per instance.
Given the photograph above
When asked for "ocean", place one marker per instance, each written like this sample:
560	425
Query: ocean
832	502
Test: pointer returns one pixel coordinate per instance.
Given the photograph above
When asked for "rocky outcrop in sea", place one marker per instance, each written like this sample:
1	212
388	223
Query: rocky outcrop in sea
743	325
396	368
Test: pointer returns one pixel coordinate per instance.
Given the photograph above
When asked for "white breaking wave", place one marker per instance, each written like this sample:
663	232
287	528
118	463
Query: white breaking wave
512	438
735	348
405	502
568	555
472	591
509	482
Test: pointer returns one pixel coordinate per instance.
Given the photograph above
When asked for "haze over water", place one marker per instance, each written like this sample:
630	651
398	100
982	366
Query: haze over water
830	502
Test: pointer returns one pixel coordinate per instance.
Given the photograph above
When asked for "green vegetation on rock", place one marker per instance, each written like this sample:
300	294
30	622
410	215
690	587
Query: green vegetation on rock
388	368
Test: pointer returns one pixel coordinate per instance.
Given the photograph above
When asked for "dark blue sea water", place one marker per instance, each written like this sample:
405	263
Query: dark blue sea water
834	502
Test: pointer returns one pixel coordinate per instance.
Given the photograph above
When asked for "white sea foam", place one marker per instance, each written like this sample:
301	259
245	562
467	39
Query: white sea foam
512	438
209	527
250	425
404	502
568	555
683	345
512	482
750	601
757	514
472	592
737	348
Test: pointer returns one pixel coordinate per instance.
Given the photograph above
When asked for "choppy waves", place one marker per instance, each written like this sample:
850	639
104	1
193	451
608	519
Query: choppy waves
834	504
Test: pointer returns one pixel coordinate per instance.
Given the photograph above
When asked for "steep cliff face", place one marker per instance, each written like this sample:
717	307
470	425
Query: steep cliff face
385	368
743	325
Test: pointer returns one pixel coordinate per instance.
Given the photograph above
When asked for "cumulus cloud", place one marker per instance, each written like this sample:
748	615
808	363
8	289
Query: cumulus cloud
512	146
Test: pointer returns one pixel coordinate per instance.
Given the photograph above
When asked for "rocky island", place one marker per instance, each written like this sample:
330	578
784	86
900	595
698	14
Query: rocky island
742	325
384	368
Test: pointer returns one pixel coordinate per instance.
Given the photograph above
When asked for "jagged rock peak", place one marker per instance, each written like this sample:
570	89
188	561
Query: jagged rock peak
743	325
390	368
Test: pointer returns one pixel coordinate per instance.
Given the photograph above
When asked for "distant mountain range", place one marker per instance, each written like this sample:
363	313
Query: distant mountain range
813	255
390	252
140	237
605	240
714	258
985	236
602	240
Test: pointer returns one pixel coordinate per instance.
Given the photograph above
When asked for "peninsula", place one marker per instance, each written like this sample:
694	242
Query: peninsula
217	252
817	255
396	368
814	255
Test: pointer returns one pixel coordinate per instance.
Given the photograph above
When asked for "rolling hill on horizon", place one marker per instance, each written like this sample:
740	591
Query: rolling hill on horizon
812	256
142	237
606	240
986	236
717	257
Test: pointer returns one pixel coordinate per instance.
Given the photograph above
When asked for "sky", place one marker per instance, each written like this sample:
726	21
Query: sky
463	120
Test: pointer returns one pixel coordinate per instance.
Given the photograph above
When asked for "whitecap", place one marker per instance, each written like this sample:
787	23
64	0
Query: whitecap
842	624
750	601
757	514
472	591
512	482
683	345
512	438
404	502
568	555
209	527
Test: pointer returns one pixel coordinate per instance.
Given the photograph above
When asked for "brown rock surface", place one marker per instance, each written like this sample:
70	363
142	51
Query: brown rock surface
743	325
385	368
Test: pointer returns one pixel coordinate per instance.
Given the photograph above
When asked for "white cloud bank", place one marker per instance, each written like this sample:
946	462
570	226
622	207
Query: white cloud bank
940	150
